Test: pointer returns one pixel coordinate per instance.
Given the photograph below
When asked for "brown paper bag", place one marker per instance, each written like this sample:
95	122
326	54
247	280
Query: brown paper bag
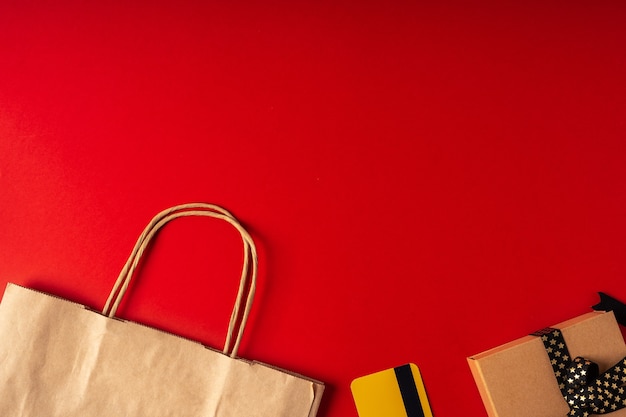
518	378
61	359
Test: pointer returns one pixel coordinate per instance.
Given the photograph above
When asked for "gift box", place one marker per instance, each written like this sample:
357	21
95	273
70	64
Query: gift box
553	372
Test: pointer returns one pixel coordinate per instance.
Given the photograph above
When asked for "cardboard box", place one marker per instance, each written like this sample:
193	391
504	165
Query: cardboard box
517	380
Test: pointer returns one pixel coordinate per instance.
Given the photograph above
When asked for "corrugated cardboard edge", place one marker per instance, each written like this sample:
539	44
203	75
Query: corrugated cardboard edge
477	373
474	366
561	325
318	387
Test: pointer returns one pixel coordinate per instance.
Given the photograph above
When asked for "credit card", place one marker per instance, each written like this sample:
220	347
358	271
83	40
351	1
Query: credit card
396	392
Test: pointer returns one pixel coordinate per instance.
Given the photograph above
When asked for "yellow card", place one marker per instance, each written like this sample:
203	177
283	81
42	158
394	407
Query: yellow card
397	392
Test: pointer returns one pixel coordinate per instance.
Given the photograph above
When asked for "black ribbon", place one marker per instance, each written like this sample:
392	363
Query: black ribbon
608	303
585	390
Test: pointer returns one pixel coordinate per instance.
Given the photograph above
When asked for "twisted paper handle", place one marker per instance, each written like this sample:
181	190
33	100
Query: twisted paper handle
202	210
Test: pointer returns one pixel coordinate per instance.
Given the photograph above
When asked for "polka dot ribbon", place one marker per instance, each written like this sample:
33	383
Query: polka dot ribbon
585	390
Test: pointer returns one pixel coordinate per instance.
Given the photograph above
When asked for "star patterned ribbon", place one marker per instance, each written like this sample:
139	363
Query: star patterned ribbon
584	389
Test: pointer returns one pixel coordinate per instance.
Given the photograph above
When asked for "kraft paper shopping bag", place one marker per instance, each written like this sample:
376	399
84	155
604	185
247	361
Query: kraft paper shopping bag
62	359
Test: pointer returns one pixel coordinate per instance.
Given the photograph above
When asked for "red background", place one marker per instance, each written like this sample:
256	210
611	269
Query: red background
423	181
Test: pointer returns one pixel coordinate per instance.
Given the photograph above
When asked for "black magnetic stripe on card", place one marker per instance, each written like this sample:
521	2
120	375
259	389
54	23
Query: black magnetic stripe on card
408	390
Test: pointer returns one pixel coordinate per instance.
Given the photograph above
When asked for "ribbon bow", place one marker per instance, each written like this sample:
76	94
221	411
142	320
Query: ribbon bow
585	390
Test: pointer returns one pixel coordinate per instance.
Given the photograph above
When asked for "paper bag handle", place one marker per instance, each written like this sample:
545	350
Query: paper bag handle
202	210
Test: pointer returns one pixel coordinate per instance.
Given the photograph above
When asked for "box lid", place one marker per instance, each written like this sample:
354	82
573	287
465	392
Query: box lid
516	379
